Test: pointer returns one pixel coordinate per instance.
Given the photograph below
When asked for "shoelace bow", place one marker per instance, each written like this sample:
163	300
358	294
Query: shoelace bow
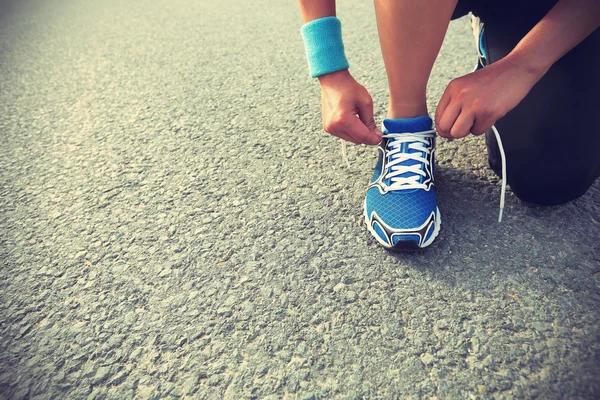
413	181
418	142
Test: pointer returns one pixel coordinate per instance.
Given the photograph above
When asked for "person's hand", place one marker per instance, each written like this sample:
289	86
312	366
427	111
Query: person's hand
474	102
343	99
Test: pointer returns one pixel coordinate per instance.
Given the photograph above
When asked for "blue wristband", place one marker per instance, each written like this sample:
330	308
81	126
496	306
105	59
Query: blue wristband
324	47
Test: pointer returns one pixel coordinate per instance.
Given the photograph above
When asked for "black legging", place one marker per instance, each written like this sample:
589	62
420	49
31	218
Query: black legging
551	139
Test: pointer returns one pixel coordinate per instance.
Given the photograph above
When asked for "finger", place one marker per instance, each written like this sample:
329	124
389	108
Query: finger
365	113
442	105
481	126
446	120
360	133
462	126
371	124
336	127
344	136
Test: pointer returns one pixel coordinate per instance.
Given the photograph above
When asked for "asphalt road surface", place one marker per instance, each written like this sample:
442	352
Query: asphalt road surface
174	223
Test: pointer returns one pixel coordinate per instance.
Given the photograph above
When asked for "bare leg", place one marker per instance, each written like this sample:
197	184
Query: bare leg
411	33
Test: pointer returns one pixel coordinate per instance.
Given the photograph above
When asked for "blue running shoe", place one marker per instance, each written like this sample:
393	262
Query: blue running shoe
479	33
401	207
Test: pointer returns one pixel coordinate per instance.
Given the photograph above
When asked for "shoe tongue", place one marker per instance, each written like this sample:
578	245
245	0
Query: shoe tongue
407	125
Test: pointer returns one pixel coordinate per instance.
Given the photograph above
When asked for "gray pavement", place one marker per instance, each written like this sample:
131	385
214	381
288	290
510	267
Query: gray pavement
174	224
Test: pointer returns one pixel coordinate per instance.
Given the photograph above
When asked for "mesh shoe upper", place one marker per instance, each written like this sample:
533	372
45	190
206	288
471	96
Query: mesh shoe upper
401	203
401	210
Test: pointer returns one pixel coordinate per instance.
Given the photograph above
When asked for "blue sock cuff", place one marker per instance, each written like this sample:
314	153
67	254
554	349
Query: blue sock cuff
324	46
408	125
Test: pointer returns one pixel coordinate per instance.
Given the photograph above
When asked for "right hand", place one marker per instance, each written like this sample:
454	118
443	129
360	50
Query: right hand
343	100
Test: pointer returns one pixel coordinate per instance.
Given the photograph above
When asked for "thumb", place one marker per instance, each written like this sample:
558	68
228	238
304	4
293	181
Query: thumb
365	113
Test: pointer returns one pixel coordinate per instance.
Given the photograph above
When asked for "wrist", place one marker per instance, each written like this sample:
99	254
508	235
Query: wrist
530	66
334	78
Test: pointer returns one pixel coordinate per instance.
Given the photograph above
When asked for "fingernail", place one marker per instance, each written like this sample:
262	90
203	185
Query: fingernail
378	132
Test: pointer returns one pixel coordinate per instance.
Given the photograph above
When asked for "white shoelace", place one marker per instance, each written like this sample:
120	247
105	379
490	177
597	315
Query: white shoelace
503	157
420	144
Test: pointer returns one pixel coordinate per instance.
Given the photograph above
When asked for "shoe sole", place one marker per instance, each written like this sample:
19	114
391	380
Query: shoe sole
405	245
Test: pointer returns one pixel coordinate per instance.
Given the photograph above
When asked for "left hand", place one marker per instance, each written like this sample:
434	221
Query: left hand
474	102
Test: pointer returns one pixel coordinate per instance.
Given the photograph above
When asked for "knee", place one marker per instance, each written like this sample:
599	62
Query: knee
548	192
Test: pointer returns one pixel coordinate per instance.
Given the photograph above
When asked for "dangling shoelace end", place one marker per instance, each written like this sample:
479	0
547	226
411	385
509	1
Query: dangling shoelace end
344	154
503	157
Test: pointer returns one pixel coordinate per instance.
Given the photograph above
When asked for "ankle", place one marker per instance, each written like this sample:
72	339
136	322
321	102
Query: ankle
407	110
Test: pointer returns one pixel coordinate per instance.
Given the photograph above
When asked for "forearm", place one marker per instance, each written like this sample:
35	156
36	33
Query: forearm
565	25
315	9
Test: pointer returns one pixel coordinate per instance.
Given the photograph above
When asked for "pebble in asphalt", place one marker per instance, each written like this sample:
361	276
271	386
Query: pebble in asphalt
174	224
